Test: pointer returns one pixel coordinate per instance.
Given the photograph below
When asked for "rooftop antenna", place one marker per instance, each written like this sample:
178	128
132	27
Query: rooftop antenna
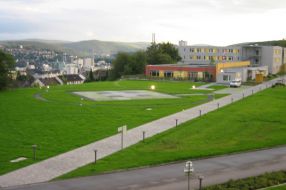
153	38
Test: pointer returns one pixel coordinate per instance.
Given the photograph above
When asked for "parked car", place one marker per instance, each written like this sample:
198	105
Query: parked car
235	83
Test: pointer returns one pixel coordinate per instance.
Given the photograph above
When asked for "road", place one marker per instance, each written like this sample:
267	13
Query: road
169	177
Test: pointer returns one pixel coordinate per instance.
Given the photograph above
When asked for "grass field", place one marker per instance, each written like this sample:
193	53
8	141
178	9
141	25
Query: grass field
255	122
61	124
283	187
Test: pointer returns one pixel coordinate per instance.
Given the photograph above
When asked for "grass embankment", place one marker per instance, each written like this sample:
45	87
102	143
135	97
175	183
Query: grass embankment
255	122
60	124
282	187
257	182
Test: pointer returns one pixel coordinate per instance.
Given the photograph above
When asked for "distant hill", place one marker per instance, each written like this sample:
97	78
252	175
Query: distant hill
82	48
281	43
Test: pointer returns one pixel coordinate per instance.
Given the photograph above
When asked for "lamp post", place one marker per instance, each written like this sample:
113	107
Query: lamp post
189	170
201	177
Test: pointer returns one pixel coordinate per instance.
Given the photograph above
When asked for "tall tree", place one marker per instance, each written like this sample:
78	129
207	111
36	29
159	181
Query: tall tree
162	53
171	50
7	63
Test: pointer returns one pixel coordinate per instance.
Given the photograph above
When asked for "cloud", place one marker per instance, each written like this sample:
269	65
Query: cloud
199	21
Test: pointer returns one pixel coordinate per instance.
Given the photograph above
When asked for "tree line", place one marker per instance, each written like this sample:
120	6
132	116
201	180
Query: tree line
7	64
134	63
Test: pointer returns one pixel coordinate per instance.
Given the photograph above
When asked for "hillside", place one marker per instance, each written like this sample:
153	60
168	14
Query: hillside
281	43
82	48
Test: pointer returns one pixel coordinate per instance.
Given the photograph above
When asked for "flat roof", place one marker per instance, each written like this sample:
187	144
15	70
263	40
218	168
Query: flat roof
183	65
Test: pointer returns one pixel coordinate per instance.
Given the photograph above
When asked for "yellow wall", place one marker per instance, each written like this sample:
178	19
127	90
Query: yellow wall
221	66
180	74
161	74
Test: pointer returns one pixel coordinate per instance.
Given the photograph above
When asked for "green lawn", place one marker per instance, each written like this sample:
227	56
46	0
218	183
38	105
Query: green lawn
255	122
283	187
61	124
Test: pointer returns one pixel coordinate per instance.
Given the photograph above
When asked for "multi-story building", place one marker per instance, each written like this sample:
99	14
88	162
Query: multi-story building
208	54
271	56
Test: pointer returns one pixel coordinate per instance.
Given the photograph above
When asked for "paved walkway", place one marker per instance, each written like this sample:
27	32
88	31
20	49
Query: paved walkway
169	177
64	163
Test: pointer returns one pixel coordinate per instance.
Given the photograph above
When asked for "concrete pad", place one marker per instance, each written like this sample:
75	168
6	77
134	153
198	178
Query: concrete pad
123	95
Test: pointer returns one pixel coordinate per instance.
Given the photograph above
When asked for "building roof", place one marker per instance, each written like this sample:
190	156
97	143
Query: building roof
49	81
70	78
184	65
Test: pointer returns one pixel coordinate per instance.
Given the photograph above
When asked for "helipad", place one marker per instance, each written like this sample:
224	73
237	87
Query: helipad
123	95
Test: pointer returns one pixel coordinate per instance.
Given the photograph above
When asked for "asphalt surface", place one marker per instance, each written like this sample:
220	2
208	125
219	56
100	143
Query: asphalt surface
168	177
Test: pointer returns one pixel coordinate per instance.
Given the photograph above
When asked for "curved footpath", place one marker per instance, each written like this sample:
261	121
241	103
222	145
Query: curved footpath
56	166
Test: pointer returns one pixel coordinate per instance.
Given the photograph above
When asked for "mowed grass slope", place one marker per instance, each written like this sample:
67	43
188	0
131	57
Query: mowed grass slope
255	122
60	124
282	187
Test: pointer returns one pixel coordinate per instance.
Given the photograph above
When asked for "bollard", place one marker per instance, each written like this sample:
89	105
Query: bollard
34	151
242	95
231	99
200	112
95	156
218	105
176	122
252	92
143	135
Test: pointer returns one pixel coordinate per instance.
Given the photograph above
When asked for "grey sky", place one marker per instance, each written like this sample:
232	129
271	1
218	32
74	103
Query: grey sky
218	22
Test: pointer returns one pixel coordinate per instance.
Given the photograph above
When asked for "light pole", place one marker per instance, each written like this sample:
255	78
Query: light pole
201	177
189	170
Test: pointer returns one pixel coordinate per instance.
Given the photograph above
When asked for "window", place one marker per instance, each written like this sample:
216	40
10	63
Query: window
199	50
225	77
211	50
198	57
154	73
192	50
168	74
193	75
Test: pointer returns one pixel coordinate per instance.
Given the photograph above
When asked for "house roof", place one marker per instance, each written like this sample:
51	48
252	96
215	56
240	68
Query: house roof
49	81
70	78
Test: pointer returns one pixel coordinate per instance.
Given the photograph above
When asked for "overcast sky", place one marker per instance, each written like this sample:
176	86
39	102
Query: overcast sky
216	22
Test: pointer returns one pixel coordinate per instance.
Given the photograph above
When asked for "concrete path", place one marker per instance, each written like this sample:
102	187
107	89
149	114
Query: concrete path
64	163
169	177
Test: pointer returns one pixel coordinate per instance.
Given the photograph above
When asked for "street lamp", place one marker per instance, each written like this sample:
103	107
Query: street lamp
201	177
189	170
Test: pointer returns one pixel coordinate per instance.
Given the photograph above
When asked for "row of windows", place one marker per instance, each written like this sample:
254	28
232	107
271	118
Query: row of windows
192	75
215	58
212	50
277	52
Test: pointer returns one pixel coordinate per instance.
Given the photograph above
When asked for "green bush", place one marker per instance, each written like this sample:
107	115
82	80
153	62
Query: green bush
251	183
